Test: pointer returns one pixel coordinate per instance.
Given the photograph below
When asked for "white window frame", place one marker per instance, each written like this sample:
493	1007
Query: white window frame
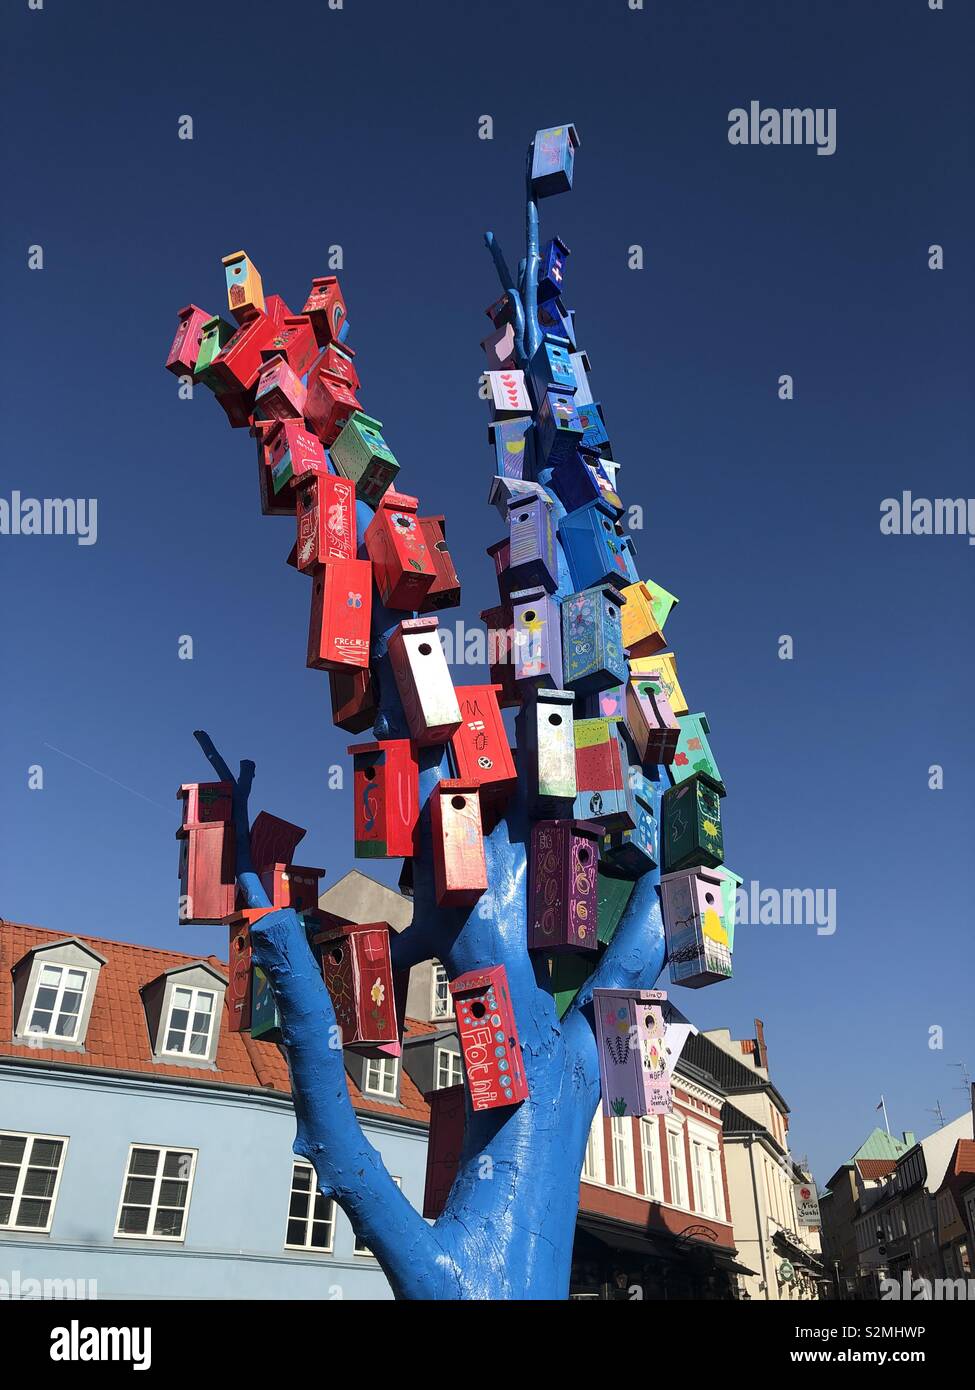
363	1251
435	1010
383	1063
454	1069
195	991
309	1217
594	1162
33	1032
161	1150
25	1164
676	1132
653	1173
621	1133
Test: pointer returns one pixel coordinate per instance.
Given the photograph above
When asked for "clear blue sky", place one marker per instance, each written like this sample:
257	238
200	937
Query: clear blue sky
359	128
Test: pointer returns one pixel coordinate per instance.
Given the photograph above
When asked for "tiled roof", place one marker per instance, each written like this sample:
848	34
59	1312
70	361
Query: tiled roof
118	1035
872	1169
880	1144
735	1121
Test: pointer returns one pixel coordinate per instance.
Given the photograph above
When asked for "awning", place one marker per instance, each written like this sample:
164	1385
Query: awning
659	1245
731	1265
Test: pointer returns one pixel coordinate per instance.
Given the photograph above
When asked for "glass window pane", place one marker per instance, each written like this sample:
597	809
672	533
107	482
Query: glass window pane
40	1182
40	1021
50	975
71	1001
172	1194
204	1004
323	1207
201	1022
31	1213
45	998
139	1191
177	1165
134	1220
299	1205
144	1162
175	1041
182	998
6	1207
301	1179
179	1019
168	1223
76	979
296	1233
8	1179
46	1153
66	1025
12	1148
198	1044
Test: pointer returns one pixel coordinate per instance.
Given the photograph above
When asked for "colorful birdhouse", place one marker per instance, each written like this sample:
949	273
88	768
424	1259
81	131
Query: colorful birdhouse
325	512
402	565
267	432
532	560
558	432
294	341
614	894
353	700
444	592
205	803
445	1144
500	653
189	337
499	348
273	840
553	318
551	368
280	393
338	361
265	1019
592	640
601	765
489	1039
697	938
207	873
361	453
325	307
562	886
546	735
385	798
292	452
341	612
479	749
423	681
358	974
604	704
216	333
459	862
237	366
508	393
730	883
582	479
694	751
634	1075
551	269
581	366
569	972
292	885
245	292
637	850
653	726
537	639
663	667
594	435
692	824
641	634
240	968
329	404
553	159
628	551
591	546
500	553
506	491
512	441
662	601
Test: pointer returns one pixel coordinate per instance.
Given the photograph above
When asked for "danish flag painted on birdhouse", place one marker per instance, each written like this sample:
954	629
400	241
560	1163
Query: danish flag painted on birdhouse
489	1039
479	748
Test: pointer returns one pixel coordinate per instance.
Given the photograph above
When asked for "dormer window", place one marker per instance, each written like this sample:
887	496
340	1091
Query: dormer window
59	997
190	1025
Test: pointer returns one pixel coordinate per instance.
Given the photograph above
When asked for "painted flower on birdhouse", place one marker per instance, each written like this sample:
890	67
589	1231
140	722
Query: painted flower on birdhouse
378	992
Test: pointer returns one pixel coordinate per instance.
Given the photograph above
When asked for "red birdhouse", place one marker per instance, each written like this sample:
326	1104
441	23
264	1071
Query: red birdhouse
445	1144
337	359
186	345
358	972
386	798
325	509
459	863
294	340
353	699
207	873
292	885
273	841
341	610
325	307
444	592
479	749
291	453
489	1039
328	405
280	392
500	653
205	803
398	549
240	972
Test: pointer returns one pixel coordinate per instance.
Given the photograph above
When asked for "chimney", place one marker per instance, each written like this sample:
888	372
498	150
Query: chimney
909	1138
761	1051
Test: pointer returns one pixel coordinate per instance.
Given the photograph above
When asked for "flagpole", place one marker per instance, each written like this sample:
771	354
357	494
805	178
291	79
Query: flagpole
883	1106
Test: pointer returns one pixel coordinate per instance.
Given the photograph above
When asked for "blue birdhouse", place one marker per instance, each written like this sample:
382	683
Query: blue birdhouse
592	546
551	269
553	158
559	431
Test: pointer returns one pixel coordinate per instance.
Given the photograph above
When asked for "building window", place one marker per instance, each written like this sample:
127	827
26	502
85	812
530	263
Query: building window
381	1075
442	1003
717	1186
593	1165
707	1178
58	998
30	1173
624	1174
156	1193
450	1070
190	1025
311	1215
360	1247
653	1182
678	1174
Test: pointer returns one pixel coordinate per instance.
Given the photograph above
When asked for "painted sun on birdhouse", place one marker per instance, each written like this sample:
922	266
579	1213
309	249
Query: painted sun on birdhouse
592	640
361	453
459	862
546	735
325	512
537	639
341	611
423	681
512	440
385	798
634	1073
358	973
397	547
532	559
489	1039
692	824
697	938
479	748
562	886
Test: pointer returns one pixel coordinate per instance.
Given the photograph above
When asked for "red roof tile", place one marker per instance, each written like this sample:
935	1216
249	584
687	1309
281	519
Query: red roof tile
118	1034
872	1169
